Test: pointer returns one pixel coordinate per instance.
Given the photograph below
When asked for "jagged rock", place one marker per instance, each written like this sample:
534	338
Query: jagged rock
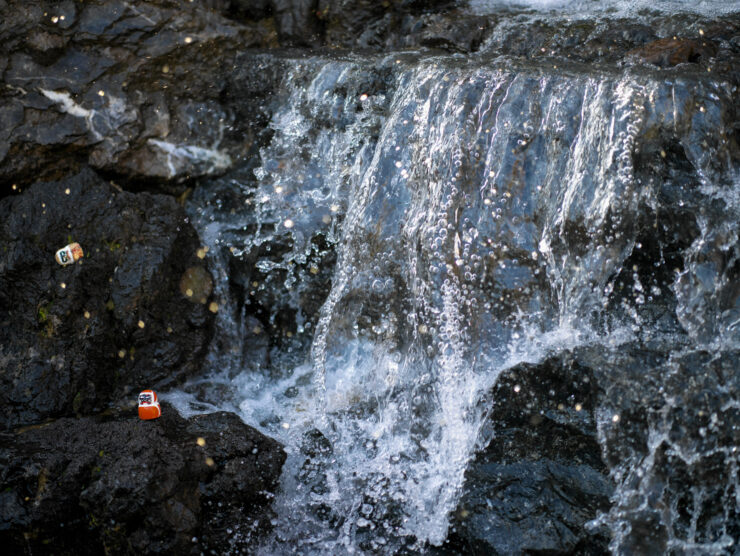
451	31
370	23
131	486
670	437
673	51
74	339
541	478
129	88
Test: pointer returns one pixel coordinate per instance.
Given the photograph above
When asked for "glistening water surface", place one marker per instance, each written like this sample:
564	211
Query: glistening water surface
607	8
418	225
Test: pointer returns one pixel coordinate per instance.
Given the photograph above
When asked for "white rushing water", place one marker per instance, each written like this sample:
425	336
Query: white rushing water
608	8
450	193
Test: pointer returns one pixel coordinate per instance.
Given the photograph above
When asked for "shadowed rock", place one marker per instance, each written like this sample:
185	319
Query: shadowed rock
76	338
119	485
541	478
673	51
130	88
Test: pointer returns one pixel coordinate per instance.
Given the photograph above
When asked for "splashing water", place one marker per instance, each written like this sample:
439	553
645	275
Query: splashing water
468	217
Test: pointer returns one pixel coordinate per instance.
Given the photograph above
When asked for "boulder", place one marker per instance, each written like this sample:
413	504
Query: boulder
74	339
117	485
540	479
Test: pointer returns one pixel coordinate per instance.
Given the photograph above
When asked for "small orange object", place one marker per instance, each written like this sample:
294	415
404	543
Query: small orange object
149	405
69	254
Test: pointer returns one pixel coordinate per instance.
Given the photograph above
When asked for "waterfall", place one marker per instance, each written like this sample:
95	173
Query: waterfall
417	225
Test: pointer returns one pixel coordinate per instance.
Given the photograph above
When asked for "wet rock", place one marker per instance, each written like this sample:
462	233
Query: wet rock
76	338
575	433
248	9
126	485
673	51
296	22
541	478
372	24
660	39
247	469
450	31
671	445
196	284
129	88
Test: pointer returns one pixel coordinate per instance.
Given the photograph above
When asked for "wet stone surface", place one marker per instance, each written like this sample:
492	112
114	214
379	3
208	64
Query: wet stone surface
77	338
541	478
115	484
128	88
477	266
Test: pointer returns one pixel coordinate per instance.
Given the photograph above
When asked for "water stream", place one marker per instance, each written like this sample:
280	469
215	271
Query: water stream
419	224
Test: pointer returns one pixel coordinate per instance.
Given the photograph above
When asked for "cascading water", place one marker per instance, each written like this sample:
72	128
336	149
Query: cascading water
418	225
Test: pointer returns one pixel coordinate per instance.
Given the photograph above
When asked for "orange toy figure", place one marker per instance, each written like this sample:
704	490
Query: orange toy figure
69	254
149	405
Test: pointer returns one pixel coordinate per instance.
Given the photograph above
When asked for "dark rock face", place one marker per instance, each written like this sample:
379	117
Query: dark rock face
635	437
630	449
368	23
541	478
77	338
672	51
116	484
130	89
